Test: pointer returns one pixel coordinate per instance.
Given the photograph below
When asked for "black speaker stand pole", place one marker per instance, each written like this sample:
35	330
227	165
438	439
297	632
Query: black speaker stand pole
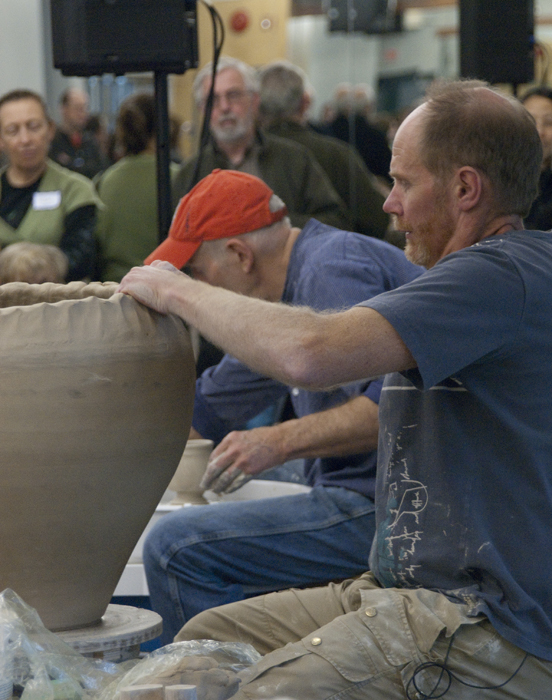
164	203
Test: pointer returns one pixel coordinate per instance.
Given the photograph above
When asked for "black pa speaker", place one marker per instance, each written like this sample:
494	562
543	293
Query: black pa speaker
92	37
496	40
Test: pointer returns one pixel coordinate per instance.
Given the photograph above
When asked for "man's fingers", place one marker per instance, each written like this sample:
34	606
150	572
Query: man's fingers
221	475
215	467
225	481
164	265
238	482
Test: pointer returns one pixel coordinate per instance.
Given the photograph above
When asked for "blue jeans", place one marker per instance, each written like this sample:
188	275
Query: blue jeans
200	557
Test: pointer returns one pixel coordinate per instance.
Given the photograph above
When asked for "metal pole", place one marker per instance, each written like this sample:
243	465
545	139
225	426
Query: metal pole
164	203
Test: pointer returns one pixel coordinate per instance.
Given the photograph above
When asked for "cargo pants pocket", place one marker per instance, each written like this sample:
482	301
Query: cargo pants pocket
367	651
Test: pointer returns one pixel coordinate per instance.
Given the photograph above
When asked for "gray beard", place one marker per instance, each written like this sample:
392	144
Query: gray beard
230	135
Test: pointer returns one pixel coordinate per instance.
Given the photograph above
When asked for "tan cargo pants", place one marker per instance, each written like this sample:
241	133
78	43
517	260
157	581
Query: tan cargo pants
357	641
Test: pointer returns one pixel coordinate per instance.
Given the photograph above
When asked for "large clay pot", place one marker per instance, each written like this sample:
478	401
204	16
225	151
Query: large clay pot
96	397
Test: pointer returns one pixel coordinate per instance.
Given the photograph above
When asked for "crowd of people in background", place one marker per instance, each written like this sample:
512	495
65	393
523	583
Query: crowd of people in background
350	142
334	168
320	169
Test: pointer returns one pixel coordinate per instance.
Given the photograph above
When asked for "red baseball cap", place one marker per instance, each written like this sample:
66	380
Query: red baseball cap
226	203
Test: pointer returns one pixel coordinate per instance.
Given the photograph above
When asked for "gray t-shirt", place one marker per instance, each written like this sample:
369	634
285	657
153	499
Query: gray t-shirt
464	486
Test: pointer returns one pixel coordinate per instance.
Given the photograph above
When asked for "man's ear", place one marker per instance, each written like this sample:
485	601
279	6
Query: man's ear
468	188
241	253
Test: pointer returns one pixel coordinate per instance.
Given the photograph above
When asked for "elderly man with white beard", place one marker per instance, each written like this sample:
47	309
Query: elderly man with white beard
289	169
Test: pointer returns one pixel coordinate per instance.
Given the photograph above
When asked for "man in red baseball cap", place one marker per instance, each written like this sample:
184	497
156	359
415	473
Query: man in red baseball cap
232	231
224	204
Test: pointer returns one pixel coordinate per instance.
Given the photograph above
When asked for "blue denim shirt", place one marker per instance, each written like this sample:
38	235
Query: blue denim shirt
329	269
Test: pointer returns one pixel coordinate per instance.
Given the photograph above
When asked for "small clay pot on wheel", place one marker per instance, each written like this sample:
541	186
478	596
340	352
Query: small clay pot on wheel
96	399
190	472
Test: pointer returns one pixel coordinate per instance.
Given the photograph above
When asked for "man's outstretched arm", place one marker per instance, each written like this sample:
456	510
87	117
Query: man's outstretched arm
294	345
350	428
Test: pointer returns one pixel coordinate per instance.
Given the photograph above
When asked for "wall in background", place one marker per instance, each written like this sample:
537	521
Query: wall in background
21	45
333	58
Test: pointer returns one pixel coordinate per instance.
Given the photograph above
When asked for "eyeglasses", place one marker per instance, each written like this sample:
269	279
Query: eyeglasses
232	97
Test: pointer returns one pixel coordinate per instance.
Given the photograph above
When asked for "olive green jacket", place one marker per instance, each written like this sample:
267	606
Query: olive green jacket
348	174
63	192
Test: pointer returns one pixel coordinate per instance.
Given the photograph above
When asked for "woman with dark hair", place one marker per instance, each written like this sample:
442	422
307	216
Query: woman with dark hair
128	226
538	102
40	201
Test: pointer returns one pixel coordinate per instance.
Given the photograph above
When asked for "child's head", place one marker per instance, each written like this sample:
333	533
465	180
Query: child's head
33	263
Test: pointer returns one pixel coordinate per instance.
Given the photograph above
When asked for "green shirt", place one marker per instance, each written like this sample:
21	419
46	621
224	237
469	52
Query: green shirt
128	229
